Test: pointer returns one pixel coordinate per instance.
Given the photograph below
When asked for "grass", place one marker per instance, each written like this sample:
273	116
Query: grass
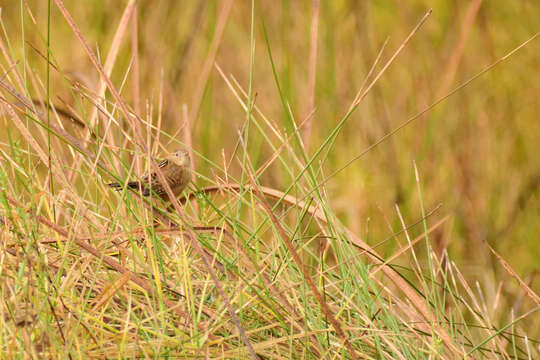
364	186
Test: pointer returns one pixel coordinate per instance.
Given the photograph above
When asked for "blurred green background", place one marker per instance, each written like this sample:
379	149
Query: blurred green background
477	152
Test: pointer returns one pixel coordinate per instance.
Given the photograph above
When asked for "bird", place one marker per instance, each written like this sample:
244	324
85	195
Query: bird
176	168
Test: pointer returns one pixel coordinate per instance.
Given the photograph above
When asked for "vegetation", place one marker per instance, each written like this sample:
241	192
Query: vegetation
365	179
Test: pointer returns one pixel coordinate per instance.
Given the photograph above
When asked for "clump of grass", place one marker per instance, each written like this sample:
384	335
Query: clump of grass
252	261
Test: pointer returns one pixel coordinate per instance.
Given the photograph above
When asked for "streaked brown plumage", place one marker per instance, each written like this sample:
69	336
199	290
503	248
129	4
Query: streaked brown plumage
176	169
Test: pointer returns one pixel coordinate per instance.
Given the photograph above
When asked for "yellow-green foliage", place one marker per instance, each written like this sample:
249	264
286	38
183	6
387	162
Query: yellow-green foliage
198	64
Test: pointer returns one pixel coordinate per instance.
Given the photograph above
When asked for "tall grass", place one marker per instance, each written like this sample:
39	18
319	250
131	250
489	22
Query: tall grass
348	199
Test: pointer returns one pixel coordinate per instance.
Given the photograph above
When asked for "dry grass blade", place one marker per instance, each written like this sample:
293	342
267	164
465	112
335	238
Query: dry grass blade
391	60
312	67
457	53
110	290
56	169
299	324
145	284
209	63
129	12
406	248
11	64
189	143
418	301
135	71
109	64
428	108
530	293
104	76
200	251
207	67
262	256
28	106
324	306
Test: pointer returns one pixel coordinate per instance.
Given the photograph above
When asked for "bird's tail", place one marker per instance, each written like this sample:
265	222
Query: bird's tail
115	186
131	184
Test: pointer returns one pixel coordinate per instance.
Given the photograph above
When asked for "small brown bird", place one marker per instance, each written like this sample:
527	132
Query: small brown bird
176	169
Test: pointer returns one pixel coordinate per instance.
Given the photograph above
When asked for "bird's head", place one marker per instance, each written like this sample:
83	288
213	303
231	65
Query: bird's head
180	158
